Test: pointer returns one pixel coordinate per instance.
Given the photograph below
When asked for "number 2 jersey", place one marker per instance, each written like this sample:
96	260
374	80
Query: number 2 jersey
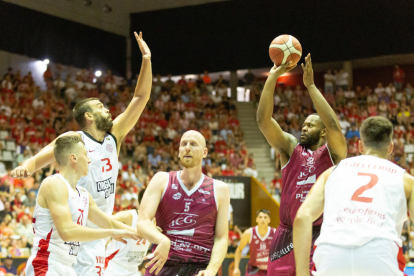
103	172
124	259
188	219
46	238
364	200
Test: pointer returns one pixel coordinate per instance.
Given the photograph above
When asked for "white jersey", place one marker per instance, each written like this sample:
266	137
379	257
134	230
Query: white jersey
103	171
364	200
46	237
124	259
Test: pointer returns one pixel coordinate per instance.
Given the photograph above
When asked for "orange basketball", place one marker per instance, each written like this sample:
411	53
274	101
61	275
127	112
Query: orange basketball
285	48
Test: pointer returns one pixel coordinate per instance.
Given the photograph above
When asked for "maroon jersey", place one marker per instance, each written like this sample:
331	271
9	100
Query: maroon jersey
188	219
298	177
260	246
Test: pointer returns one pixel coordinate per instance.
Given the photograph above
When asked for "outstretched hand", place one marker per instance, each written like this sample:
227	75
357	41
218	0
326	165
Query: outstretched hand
281	69
145	51
308	71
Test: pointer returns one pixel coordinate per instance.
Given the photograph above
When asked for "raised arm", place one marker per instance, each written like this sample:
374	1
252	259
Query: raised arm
221	232
146	228
127	120
53	195
334	137
43	158
245	239
309	211
283	142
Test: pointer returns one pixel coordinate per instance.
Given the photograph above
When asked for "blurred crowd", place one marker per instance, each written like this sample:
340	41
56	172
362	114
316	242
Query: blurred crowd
32	118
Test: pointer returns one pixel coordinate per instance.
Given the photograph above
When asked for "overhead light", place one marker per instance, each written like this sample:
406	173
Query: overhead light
46	61
94	80
106	9
87	3
98	73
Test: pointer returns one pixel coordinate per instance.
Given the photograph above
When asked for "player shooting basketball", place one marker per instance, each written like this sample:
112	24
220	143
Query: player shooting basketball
102	138
321	145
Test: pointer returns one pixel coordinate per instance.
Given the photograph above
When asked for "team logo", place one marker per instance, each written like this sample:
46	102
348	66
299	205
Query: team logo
256	242
109	147
73	248
85	201
106	186
183	221
174	186
177	196
203	192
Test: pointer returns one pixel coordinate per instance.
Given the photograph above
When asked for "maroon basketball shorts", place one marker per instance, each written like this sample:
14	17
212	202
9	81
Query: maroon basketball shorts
255	271
178	269
281	256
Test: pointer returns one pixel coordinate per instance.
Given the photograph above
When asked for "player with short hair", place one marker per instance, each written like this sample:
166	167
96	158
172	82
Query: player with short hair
321	145
61	212
102	138
124	259
364	201
192	210
259	239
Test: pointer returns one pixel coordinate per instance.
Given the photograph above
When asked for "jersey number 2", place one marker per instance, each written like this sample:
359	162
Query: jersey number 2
108	165
356	196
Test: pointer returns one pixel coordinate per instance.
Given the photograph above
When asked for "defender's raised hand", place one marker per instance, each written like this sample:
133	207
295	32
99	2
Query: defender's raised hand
308	72
145	51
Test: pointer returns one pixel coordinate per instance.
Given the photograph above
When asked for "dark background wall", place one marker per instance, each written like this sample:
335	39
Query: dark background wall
39	35
236	34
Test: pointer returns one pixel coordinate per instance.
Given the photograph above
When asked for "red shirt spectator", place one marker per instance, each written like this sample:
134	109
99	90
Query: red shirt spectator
398	75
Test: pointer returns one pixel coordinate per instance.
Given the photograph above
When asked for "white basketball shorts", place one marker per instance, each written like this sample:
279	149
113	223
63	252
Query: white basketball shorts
379	257
91	258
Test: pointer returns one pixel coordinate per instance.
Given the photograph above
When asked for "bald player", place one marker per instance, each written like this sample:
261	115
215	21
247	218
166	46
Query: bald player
191	209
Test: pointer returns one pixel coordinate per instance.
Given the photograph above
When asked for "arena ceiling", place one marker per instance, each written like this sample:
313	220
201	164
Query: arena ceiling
117	21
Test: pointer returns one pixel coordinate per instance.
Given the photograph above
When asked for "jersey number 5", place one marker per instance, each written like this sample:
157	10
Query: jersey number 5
356	196
108	165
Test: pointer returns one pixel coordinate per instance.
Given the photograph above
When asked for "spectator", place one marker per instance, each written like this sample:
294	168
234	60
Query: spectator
390	89
233	246
30	201
154	159
379	89
206	78
8	265
329	82
353	132
344	124
23	156
398	76
251	171
343	80
25	229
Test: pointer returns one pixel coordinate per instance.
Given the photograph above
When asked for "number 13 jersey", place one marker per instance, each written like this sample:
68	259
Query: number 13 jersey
103	171
364	200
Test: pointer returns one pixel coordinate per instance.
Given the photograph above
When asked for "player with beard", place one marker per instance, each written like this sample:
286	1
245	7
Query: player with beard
192	210
102	138
321	146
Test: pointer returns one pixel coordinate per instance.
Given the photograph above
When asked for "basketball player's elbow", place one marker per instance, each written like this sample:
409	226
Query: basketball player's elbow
302	218
65	235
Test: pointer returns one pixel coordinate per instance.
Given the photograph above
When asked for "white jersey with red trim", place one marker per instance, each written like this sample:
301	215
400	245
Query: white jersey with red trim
103	172
46	237
124	259
364	200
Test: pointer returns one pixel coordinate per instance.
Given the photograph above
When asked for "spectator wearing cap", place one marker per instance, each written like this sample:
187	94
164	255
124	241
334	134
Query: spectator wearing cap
8	265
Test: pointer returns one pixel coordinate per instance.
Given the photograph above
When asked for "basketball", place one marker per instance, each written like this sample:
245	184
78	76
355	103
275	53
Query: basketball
285	48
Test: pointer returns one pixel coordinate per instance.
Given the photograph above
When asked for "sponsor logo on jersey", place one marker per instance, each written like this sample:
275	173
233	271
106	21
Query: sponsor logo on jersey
177	196
73	247
203	192
106	186
135	256
183	221
173	186
109	147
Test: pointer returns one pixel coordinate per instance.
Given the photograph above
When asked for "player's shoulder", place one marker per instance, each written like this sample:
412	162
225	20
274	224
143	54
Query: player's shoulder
159	180
53	186
248	232
221	185
408	178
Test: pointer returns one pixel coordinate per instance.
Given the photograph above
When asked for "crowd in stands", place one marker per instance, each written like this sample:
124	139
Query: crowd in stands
33	118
